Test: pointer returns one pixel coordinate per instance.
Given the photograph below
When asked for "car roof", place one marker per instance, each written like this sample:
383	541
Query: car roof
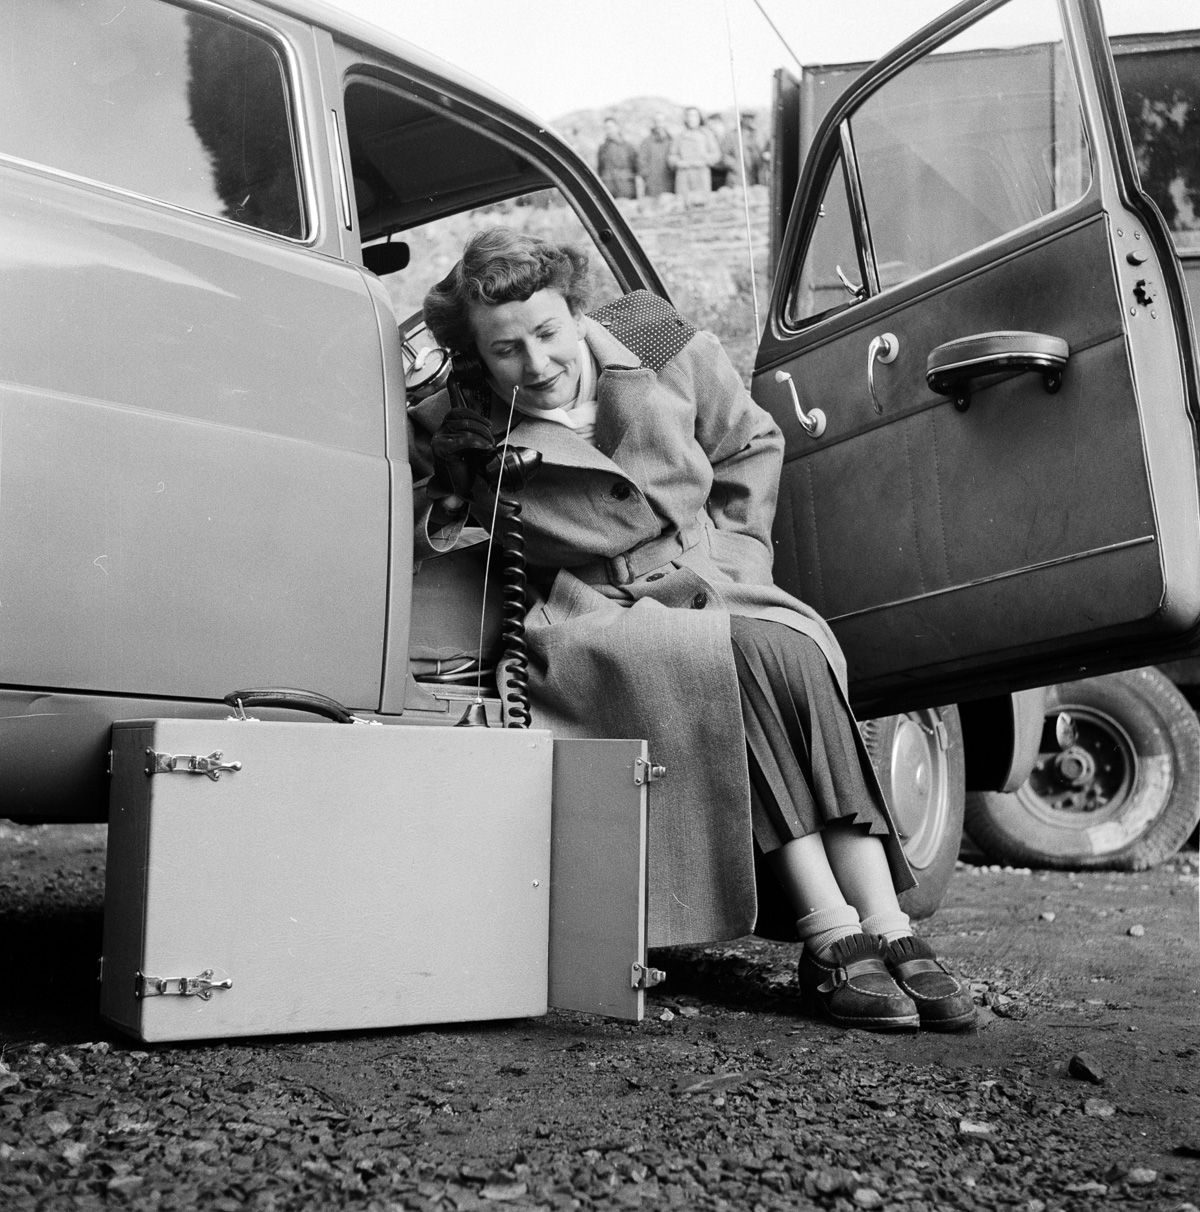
355	29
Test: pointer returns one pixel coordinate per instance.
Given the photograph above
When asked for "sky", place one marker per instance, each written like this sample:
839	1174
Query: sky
556	56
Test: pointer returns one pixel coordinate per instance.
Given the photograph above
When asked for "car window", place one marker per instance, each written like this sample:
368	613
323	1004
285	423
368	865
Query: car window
168	102
830	276
426	181
1160	90
966	145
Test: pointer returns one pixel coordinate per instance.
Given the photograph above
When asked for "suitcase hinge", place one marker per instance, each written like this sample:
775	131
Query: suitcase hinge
201	986
642	977
647	772
188	763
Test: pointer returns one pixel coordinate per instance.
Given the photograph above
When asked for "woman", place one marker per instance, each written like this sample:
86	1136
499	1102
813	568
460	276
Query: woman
694	152
648	534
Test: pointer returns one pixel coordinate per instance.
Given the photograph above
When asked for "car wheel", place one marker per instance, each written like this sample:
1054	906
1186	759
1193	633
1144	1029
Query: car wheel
918	757
1116	783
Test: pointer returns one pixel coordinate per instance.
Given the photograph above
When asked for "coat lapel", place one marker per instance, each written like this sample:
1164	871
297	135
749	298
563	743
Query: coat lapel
623	386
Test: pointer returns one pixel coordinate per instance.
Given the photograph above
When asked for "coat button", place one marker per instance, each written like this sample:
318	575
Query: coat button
656	576
700	601
619	491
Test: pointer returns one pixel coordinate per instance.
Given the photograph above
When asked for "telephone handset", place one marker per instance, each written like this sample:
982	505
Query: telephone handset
509	466
468	385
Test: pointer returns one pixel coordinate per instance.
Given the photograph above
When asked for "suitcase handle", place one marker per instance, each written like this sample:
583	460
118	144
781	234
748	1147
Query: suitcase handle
299	700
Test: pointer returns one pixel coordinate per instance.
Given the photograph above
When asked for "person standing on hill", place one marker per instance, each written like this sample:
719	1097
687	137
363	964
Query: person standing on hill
656	174
617	161
693	153
754	168
725	171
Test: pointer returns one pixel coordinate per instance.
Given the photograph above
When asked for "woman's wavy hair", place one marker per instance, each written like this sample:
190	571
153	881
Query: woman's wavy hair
500	265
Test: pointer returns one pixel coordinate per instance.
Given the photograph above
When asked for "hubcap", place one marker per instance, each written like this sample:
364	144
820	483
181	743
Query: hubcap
920	791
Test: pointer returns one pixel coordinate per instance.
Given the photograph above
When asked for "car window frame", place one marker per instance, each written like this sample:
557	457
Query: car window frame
834	135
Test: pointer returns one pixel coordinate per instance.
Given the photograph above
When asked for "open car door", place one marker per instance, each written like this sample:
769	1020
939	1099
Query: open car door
979	352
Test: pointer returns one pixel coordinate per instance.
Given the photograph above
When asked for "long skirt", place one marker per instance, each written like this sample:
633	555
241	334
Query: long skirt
808	764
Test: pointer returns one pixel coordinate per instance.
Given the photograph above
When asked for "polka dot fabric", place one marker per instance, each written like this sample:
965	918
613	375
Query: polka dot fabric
646	325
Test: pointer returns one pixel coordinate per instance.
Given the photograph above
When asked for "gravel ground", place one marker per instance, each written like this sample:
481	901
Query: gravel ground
1078	1091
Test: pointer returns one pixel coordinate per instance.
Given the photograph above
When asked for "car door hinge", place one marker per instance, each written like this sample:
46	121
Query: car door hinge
201	986
642	977
646	771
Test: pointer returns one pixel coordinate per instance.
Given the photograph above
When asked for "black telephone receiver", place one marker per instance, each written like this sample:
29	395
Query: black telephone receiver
468	385
468	388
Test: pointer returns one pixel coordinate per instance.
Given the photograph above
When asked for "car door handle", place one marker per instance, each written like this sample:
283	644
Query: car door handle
813	421
951	368
883	348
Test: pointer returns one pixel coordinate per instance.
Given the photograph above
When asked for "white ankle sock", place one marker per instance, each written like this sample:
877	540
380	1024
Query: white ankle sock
819	930
890	925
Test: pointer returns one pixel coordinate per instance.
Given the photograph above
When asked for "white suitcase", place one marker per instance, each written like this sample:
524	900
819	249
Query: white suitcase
297	876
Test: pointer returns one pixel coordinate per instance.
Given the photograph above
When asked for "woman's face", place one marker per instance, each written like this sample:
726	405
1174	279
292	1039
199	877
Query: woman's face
532	346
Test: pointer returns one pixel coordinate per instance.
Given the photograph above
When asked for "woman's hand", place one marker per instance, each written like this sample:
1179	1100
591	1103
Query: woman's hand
462	446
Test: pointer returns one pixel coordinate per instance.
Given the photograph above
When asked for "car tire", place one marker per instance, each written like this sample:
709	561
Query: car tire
919	760
1122	793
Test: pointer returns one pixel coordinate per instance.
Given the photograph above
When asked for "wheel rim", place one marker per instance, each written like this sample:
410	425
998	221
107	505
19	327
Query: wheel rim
1092	778
920	784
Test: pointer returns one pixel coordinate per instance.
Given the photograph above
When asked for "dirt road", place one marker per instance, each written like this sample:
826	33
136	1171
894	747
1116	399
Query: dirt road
724	1098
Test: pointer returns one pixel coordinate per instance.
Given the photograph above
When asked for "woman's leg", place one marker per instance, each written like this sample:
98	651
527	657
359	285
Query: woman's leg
843	864
841	968
859	863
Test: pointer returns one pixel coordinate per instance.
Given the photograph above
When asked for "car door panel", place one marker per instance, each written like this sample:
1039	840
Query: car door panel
957	551
195	494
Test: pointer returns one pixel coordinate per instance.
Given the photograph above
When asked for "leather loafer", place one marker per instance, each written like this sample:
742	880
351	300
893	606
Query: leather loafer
943	1001
851	985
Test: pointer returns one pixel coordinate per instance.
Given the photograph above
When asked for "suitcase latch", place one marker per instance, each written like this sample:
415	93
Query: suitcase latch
188	763
201	986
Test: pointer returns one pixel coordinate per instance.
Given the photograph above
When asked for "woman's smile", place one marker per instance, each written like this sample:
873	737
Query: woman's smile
532	346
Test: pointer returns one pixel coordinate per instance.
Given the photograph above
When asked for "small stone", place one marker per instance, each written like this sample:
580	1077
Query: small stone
125	1185
827	1182
969	1127
694	1012
1141	1176
1085	1067
504	1192
1034	1205
1136	931
73	1151
867	1197
1086	1189
1099	1109
8	1079
57	1123
1046	915
666	1017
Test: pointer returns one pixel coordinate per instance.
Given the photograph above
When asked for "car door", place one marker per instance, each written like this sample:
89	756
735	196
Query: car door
979	351
195	495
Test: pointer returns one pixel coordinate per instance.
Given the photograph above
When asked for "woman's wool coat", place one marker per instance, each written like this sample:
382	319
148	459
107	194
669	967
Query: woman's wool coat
659	532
